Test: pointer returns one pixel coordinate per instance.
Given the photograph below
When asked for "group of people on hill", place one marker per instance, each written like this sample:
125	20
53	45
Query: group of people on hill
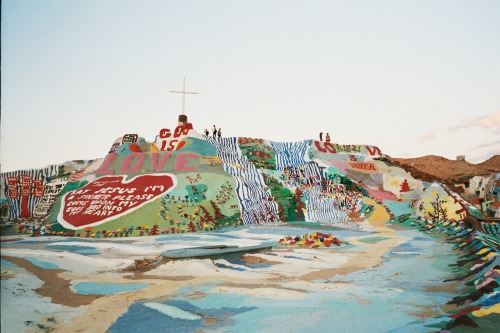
215	132
327	138
218	133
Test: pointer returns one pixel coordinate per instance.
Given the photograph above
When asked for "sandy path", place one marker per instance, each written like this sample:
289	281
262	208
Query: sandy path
55	287
372	256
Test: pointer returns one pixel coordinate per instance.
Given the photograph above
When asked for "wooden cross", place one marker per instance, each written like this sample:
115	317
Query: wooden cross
183	92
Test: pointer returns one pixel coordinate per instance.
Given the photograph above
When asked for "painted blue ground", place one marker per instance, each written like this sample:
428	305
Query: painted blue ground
48	240
150	320
399	207
87	288
83	250
7	263
177	238
385	298
43	264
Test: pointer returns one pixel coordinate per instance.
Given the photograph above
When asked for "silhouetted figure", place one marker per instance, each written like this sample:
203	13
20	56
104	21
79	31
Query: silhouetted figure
320	136
206	132
219	133
327	139
214	131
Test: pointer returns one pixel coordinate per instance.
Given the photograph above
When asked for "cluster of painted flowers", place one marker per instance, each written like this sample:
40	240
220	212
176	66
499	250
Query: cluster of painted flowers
313	240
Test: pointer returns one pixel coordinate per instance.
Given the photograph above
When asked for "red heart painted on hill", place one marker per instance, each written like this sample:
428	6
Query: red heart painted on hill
110	197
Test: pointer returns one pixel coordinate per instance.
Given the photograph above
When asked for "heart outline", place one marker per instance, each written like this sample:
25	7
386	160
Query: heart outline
64	219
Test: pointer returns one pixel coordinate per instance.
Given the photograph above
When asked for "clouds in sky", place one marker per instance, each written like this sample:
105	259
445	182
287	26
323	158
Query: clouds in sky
466	130
488	122
429	136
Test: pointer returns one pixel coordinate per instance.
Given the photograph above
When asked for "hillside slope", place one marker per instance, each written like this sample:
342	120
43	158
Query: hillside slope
186	182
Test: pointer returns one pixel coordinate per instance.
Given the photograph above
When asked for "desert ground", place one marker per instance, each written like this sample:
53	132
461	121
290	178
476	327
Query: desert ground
308	287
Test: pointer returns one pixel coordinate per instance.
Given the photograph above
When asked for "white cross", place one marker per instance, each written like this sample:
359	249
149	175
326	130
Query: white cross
183	92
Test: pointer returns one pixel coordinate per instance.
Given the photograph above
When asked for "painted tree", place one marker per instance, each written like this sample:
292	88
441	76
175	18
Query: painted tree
218	215
439	212
263	217
206	218
404	187
255	217
154	230
462	211
281	211
298	196
192	227
269	214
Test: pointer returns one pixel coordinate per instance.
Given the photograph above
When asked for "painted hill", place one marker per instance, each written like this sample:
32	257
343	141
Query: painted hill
187	182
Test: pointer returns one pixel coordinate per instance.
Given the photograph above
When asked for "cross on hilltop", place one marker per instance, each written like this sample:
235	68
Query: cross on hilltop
183	92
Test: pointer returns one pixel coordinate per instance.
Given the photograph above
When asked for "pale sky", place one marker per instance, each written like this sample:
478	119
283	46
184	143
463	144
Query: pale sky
414	78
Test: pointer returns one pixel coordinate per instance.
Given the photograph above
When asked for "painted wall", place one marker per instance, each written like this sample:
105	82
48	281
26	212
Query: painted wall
30	193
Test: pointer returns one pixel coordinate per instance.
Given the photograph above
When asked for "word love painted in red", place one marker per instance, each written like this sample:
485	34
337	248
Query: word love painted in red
110	197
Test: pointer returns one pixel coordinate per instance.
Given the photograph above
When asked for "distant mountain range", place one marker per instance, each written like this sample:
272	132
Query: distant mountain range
443	170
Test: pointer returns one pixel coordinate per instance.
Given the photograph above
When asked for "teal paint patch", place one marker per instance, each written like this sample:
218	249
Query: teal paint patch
7	263
399	207
177	317
199	147
83	250
373	240
43	264
95	288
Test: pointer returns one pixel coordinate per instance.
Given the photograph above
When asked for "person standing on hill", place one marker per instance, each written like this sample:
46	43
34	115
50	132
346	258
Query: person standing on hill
206	132
219	133
320	136
327	139
214	131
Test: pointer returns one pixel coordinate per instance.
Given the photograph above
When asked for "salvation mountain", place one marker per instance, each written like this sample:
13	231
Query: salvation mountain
188	182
